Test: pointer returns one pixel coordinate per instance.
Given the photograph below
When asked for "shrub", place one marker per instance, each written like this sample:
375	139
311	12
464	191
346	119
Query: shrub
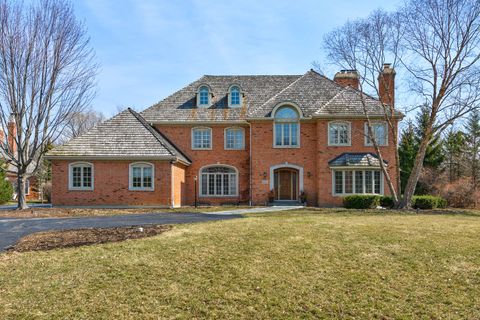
6	189
361	201
47	191
386	202
428	202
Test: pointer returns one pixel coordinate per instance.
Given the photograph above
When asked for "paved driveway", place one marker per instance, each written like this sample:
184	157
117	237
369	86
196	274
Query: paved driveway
11	230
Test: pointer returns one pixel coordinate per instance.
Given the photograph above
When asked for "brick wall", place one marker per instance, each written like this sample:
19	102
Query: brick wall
178	184
181	136
111	185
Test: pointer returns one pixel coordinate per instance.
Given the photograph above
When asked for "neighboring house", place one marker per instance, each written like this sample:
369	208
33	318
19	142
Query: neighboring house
31	184
233	139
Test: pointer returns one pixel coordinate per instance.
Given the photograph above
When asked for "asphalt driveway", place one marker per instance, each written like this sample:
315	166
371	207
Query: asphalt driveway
11	230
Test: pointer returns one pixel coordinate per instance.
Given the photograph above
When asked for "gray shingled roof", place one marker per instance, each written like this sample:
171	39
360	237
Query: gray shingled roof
356	160
181	106
316	95
127	135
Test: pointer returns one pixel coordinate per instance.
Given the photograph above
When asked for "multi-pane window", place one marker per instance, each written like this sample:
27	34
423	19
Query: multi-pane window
201	138
81	176
379	131
141	176
339	134
218	181
286	127
203	96
234	138
357	181
235	97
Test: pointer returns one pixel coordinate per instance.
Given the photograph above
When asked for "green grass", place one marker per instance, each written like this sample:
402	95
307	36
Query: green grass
302	264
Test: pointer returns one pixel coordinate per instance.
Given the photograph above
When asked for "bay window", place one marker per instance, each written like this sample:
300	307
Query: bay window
357	181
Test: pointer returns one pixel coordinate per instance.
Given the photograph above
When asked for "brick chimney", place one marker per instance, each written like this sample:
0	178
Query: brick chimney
386	85
347	78
12	133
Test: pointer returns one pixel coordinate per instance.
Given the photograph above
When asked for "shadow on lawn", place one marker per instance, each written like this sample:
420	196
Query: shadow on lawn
346	212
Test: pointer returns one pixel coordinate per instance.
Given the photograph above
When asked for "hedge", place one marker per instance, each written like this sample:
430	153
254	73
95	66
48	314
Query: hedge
361	201
386	202
428	202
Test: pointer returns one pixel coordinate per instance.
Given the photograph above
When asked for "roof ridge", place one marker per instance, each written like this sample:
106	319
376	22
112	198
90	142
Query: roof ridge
283	90
333	98
164	141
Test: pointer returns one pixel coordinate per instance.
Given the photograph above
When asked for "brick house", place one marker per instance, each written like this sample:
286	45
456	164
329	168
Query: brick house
233	139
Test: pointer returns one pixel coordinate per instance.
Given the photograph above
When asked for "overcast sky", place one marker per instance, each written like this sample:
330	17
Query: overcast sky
148	49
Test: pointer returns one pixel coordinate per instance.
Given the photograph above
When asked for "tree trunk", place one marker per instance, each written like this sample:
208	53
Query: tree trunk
406	202
21	198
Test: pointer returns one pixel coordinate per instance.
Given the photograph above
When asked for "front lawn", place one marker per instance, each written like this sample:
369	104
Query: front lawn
302	264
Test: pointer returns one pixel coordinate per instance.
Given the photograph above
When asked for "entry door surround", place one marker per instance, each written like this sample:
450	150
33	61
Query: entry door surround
286	184
286	165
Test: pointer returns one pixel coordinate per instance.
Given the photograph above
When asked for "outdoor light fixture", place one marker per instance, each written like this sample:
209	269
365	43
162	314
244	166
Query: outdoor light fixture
264	174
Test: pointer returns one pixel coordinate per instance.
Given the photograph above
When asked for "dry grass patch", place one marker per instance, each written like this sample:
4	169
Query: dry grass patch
306	264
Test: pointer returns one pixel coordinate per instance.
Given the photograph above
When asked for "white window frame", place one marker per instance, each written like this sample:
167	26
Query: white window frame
142	165
334	193
203	105
230	104
234	129
286	121
200	180
70	176
193	138
369	144
349	125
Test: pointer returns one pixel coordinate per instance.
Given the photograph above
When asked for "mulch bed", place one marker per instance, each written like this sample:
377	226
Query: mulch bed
74	238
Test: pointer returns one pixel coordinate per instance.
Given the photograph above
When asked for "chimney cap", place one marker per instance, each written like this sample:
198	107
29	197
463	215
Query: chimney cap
387	68
346	73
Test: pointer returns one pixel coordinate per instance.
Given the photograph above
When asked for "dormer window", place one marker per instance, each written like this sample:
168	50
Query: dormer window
235	98
203	98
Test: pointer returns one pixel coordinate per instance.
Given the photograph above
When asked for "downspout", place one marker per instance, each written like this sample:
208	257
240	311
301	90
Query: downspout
250	165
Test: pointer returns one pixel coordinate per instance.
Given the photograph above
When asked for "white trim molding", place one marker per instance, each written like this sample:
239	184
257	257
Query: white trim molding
237	178
290	104
142	165
349	124
225	138
203	105
240	96
384	123
192	137
81	164
287	165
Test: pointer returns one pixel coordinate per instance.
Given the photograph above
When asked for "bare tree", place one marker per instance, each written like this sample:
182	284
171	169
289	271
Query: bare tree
81	122
47	73
437	43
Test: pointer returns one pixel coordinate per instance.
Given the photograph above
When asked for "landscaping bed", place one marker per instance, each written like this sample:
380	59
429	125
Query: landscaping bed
74	238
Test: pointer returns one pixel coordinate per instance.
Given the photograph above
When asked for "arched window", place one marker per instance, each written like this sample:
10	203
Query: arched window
80	176
287	128
339	134
141	176
235	98
203	96
218	181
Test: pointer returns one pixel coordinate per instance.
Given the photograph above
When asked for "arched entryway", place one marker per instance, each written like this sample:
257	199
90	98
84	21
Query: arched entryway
286	184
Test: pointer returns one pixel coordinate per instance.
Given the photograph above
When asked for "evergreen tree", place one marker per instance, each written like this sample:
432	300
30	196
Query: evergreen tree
434	156
407	151
473	146
454	148
6	189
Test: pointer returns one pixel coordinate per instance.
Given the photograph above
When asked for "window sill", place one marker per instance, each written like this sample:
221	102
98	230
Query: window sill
356	194
340	145
80	189
286	147
207	196
201	149
141	189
